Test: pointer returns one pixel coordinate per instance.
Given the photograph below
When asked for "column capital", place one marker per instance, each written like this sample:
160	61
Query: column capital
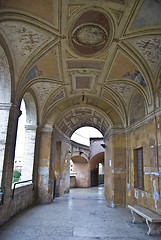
30	127
46	129
15	109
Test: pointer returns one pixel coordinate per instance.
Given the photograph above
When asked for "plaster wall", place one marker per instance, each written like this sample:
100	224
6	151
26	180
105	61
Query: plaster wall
61	160
115	170
82	174
147	136
95	146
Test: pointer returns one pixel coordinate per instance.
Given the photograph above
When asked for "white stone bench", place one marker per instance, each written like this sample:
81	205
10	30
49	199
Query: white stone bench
141	214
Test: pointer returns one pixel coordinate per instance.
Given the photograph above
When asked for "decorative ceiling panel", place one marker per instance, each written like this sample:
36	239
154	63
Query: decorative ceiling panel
124	90
24	39
149	14
150	49
90	32
43	90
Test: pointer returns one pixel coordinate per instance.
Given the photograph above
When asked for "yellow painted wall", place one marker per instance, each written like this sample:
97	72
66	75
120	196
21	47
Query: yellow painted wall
147	136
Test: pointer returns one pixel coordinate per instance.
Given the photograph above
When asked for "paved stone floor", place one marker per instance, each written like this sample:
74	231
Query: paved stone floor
78	215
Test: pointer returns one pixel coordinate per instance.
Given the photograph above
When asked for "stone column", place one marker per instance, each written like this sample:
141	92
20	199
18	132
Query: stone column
4	114
10	149
28	156
45	180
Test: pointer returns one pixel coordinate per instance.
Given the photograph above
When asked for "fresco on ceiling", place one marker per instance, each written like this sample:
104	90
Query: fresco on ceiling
49	65
23	38
150	49
108	96
137	110
122	64
90	32
37	8
136	76
57	97
43	89
124	90
90	35
149	14
33	73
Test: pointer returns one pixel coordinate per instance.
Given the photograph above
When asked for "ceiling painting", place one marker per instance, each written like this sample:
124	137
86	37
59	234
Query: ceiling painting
48	65
90	32
137	110
43	9
149	14
122	64
43	90
24	39
150	49
81	60
124	90
85	64
33	73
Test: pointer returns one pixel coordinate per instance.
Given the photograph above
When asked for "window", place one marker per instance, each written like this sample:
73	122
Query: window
138	169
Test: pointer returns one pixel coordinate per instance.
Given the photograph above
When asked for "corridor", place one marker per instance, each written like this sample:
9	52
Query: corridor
80	214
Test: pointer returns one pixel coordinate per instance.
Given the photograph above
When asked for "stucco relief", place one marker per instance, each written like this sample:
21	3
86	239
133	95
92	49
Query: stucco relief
23	38
150	49
43	90
124	90
90	35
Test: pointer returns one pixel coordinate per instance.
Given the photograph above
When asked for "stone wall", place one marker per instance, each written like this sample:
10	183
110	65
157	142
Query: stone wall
22	199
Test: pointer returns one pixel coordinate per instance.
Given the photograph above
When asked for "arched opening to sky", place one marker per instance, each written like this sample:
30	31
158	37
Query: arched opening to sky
82	135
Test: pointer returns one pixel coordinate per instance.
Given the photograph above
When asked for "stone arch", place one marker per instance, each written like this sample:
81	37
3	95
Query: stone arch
94	167
24	162
5	102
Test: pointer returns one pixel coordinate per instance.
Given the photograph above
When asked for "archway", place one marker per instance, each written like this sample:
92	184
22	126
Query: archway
5	103
25	144
85	170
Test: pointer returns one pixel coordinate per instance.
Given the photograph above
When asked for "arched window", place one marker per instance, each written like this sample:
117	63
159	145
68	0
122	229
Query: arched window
25	144
5	103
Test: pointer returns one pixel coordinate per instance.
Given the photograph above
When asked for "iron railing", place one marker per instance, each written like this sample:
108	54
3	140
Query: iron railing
14	187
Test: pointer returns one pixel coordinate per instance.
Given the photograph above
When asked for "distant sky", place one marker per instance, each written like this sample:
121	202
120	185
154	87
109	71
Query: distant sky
83	134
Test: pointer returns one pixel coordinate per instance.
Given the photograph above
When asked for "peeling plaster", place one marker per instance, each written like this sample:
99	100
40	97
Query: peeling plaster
157	174
112	204
43	170
128	186
117	170
156	195
136	194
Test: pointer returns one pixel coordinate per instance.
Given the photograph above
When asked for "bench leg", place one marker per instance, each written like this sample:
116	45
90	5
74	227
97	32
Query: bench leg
154	228
136	218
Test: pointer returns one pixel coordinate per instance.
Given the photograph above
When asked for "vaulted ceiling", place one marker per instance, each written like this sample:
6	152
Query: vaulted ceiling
94	62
